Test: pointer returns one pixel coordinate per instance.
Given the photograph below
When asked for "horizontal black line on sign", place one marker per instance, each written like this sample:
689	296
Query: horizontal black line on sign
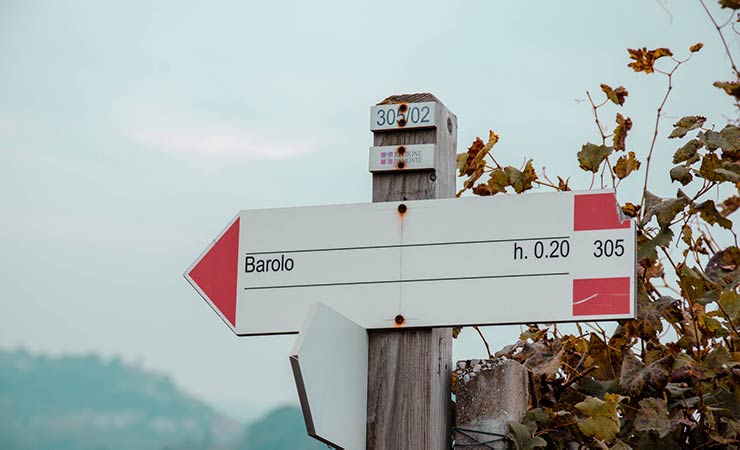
432	244
350	283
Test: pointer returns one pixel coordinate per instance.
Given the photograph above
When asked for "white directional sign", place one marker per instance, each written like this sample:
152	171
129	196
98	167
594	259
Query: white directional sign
396	116
329	364
542	257
401	157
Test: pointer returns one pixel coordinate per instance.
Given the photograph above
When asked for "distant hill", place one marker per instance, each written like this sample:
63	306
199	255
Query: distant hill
85	402
89	403
281	429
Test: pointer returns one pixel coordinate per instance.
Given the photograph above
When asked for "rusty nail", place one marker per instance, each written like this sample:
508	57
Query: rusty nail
401	150
433	177
401	122
399	320
402	208
401	164
403	107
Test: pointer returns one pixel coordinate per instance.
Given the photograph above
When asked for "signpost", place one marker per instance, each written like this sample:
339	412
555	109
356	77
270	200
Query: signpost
542	257
412	261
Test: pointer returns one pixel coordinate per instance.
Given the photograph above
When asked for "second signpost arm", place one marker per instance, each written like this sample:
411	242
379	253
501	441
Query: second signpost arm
409	370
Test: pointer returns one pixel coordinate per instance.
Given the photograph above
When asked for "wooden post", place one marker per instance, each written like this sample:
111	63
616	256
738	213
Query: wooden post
409	370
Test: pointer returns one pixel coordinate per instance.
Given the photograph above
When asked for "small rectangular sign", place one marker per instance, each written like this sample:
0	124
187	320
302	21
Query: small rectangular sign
503	259
397	116
402	157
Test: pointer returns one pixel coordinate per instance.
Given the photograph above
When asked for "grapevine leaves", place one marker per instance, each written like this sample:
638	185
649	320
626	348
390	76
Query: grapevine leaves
688	152
686	124
639	380
521	180
644	59
664	210
682	174
626	165
601	419
620	132
473	164
710	214
591	156
617	96
730	87
647	248
653	416
522	437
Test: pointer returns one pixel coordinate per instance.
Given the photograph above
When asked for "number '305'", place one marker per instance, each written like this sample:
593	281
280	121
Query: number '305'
608	248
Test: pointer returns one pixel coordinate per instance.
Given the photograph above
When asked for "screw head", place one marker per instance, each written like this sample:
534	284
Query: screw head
402	208
400	320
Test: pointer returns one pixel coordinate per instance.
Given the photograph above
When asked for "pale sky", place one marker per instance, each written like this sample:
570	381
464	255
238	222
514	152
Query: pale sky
131	132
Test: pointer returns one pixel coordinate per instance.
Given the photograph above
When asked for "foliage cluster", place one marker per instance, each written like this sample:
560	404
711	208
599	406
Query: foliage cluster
669	378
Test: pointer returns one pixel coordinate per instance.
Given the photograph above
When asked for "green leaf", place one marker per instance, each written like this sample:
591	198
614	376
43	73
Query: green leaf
682	174
717	358
648	249
521	180
602	421
686	124
591	156
522	437
619	445
498	181
730	303
710	214
538	415
653	416
693	282
688	152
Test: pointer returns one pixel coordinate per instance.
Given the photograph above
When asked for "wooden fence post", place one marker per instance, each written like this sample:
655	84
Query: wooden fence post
409	370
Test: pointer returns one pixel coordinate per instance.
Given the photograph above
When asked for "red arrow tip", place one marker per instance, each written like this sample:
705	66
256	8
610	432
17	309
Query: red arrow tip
215	274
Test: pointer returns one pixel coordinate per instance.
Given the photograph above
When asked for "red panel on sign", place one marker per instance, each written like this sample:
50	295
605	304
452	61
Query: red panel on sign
597	212
597	296
215	273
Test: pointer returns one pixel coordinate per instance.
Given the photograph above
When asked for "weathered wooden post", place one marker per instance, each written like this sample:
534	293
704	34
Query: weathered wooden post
409	370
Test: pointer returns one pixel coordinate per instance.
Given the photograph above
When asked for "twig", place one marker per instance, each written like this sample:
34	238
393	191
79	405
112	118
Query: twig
722	37
485	342
594	107
655	136
579	376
